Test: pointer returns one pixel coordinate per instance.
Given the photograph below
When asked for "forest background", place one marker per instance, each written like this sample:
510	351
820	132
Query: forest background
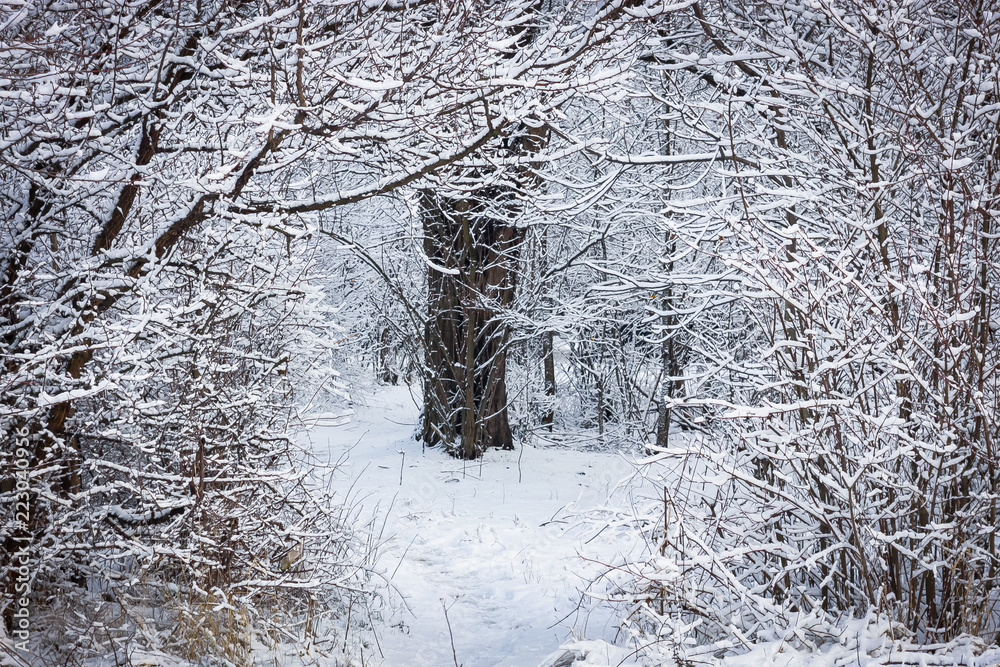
767	226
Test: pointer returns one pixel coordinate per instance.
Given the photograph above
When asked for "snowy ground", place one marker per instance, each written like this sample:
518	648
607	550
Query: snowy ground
502	543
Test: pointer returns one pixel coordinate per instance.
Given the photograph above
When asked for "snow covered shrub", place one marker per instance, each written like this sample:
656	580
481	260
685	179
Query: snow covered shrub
854	466
186	489
153	338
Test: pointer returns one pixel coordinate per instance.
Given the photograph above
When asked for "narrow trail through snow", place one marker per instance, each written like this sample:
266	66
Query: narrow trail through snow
499	542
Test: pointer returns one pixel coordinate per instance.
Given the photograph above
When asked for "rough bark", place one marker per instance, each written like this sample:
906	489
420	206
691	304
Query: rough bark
473	246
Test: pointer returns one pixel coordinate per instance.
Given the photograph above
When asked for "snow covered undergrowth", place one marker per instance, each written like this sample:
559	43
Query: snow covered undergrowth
863	642
506	544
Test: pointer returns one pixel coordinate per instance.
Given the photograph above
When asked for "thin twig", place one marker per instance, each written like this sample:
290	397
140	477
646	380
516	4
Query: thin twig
454	655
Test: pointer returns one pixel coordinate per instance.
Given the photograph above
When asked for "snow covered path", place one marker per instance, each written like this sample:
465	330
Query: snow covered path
498	542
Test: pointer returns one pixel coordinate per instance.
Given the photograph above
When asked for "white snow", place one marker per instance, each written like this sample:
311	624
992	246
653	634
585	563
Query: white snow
503	543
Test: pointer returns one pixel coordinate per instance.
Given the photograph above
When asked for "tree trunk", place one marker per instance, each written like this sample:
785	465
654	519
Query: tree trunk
473	248
672	386
386	374
549	365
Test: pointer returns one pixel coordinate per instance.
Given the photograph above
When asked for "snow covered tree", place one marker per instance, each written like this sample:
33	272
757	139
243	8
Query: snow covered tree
167	167
154	327
854	465
480	119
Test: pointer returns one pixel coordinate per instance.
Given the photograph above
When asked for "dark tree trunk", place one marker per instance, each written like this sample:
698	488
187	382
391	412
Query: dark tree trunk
672	387
386	374
549	365
671	352
473	247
